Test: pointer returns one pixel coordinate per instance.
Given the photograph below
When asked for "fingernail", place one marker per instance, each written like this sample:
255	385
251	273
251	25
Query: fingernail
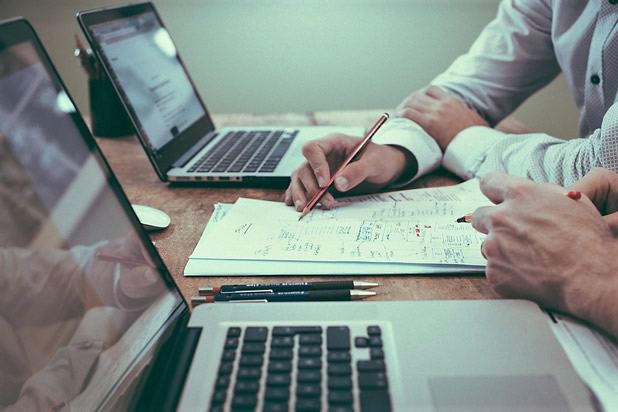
298	204
321	181
342	183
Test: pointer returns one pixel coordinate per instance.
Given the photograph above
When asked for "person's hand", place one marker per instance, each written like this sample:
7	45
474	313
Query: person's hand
601	186
440	114
122	274
544	246
377	166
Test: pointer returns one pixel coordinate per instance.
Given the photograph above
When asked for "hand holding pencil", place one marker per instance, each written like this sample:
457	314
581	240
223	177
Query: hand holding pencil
378	166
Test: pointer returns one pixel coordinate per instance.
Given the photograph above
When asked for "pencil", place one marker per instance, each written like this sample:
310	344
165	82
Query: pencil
358	150
571	195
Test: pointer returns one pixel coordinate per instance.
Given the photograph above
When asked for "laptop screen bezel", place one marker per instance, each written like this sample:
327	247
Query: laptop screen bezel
168	155
19	30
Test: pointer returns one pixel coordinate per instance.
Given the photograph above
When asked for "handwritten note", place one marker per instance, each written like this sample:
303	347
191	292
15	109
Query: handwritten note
372	231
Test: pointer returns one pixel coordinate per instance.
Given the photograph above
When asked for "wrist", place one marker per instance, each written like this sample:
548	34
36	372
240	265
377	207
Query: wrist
404	163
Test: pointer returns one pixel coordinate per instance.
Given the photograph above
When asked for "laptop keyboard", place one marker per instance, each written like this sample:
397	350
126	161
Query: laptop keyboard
245	152
301	368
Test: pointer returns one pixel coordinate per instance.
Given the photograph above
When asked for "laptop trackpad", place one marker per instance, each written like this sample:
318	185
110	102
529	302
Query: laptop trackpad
497	393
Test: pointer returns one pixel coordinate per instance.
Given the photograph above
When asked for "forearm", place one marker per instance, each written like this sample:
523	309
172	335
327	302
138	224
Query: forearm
536	156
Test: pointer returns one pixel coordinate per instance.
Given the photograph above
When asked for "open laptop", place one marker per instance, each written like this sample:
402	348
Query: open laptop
90	318
169	117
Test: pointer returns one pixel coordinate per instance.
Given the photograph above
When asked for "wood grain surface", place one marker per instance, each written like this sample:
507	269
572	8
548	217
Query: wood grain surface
191	207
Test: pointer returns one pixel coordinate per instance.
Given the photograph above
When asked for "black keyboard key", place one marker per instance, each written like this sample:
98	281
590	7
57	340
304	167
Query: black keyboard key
244	401
292	330
309	363
374	330
370	366
376	353
249	373
361	342
339	357
256	334
375	342
310	351
222	382
219	397
253	348
226	368
228	355
281	354
233	332
231	343
310	339
375	400
338	338
308	405
247	387
339	382
309	376
282	342
304	390
280	367
275	407
341	369
340	397
278	379
277	394
340	408
372	380
251	360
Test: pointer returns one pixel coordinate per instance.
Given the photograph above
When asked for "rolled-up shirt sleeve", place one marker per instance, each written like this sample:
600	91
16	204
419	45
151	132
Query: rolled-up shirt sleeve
536	156
511	59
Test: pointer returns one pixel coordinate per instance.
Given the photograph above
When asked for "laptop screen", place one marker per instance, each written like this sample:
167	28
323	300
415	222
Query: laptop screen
144	63
84	295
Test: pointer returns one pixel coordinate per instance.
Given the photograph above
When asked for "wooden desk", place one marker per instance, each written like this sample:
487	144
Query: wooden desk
191	207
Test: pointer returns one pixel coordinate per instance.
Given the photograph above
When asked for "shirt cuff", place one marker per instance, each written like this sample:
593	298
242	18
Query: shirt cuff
468	150
410	136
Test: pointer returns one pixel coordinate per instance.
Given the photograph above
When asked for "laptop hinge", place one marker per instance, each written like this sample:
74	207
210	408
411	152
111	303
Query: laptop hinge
185	158
167	375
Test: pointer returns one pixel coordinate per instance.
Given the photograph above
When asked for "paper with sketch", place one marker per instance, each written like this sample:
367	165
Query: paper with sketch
403	232
594	357
468	190
200	266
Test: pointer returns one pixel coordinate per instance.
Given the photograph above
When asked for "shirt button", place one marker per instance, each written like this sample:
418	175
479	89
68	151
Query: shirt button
595	79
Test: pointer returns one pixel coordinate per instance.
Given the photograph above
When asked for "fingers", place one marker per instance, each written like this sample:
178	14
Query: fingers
353	175
499	186
481	219
317	152
600	185
303	187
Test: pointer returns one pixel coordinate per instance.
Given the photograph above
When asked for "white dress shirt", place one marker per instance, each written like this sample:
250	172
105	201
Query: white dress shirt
523	49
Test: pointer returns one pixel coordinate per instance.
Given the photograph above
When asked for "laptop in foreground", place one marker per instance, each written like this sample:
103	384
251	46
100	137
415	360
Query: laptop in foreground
168	115
90	318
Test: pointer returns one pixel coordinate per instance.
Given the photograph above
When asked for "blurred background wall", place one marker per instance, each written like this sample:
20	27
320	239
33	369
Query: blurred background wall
263	56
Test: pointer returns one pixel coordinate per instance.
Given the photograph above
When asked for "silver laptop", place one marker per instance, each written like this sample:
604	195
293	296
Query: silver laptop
90	318
169	116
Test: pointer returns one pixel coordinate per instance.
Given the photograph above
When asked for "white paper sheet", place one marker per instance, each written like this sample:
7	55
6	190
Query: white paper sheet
594	357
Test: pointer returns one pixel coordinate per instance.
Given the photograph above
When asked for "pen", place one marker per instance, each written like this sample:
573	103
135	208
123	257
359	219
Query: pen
571	195
376	126
287	287
291	296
